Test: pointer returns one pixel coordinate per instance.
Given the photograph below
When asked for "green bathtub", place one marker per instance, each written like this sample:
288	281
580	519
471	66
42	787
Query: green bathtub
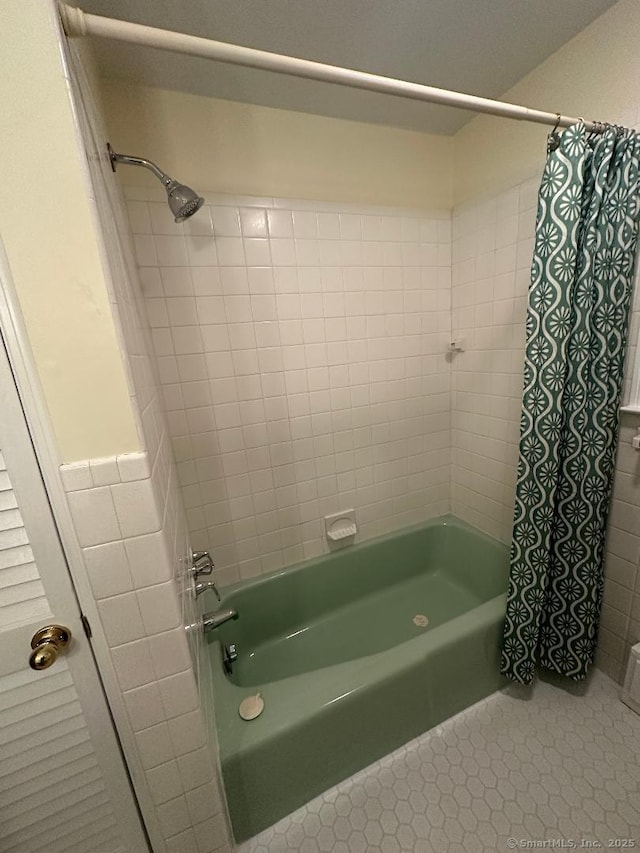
346	666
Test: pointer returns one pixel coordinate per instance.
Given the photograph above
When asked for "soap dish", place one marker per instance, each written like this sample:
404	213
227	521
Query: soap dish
340	526
340	530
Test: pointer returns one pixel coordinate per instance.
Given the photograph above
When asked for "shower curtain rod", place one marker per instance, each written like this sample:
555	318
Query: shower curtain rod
79	23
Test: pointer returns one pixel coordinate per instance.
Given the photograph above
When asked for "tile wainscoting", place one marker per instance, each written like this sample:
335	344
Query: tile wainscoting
135	546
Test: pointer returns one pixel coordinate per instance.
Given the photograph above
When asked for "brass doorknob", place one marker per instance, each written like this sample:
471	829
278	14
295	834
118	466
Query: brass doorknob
47	643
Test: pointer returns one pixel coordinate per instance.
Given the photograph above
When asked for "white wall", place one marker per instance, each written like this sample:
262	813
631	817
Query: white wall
594	75
47	226
230	147
302	352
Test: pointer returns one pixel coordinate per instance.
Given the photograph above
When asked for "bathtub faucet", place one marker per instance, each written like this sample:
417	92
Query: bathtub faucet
218	617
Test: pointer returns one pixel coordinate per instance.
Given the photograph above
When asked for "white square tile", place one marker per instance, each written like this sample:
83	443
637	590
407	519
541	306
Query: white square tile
144	706
174	816
200	224
210	310
257	252
196	768
238	309
211	835
280	223
263	308
260	280
164	782
162	219
350	227
288	306
76	476
94	516
136	508
286	279
183	842
170	652
121	619
176	281
155	745
104	471
179	694
206	281
328	226
283	252
253	221
171	251
139	218
203	802
149	559
234	281
107	569
245	362
305	224
181	310
159	607
133	466
132	664
145	250
226	221
157	312
150	281
307	252
187	732
202	251
230	252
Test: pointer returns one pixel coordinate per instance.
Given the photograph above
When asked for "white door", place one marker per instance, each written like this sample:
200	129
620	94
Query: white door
64	787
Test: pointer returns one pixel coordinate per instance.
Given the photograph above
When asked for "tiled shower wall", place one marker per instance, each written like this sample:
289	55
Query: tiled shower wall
302	353
303	359
130	523
492	249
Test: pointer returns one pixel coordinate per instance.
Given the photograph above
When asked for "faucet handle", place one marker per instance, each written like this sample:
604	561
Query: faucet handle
201	563
196	556
203	586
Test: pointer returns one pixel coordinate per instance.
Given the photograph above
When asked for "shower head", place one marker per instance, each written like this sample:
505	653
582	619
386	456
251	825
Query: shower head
183	201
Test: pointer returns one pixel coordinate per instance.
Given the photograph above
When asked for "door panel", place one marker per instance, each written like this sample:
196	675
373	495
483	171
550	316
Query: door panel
63	782
22	596
51	787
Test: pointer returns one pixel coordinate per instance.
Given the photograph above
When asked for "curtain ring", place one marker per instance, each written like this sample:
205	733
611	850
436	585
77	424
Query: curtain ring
553	140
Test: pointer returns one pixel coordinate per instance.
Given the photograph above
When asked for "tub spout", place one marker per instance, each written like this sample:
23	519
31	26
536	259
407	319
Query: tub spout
218	617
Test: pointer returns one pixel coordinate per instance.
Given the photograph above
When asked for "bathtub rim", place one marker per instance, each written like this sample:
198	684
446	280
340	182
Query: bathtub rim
446	520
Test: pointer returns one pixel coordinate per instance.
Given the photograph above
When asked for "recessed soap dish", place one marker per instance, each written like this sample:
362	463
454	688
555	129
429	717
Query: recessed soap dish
340	526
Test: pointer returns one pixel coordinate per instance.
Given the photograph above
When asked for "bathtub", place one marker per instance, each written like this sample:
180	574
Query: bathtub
354	653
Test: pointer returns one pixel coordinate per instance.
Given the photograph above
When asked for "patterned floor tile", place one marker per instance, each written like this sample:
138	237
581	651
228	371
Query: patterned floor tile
557	761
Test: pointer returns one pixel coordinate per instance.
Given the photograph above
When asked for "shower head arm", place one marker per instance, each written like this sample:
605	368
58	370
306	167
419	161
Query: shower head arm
182	200
137	161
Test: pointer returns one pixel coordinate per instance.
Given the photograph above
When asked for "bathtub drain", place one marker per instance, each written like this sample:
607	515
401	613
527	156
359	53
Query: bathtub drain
251	707
420	620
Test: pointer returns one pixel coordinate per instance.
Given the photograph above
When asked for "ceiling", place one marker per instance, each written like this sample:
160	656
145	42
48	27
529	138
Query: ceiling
481	47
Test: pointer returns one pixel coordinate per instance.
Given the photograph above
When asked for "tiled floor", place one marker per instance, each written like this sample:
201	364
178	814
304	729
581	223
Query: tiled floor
557	762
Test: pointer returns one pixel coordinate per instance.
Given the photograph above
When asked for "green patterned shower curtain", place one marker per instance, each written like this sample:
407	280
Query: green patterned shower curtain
577	321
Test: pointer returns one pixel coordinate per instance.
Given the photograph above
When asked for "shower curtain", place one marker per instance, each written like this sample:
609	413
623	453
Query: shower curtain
577	321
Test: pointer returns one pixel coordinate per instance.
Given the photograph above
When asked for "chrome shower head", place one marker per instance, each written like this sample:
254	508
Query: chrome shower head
183	201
